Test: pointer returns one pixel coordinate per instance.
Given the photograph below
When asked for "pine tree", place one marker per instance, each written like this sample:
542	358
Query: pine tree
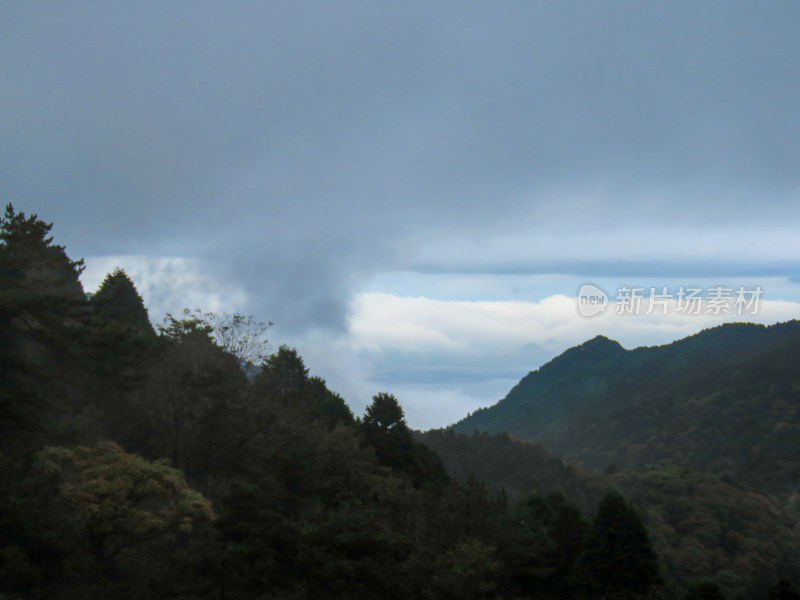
384	426
30	261
117	299
619	560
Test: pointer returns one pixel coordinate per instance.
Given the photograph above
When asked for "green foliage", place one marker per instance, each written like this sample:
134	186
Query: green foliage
466	571
29	261
706	530
121	501
507	463
283	375
619	561
91	522
185	408
240	335
193	324
544	541
385	429
723	400
284	381
575	377
384	415
117	300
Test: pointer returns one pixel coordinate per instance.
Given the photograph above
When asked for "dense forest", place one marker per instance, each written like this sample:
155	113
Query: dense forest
724	400
189	460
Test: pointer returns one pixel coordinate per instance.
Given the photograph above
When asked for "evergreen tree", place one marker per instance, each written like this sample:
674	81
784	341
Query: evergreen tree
284	380
40	363
117	299
283	375
619	560
385	429
31	262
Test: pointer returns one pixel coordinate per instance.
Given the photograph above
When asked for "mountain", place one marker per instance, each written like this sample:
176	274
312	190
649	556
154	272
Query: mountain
510	464
704	529
724	400
136	463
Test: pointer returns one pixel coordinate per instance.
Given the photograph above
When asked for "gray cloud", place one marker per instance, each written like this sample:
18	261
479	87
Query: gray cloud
696	269
301	146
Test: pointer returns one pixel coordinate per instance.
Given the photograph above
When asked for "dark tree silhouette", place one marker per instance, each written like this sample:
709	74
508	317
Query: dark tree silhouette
283	375
30	261
385	429
619	561
117	299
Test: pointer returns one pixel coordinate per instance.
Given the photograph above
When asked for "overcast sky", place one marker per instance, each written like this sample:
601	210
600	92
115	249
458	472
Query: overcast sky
413	191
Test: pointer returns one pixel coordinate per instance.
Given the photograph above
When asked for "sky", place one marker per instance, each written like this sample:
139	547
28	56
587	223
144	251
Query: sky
414	193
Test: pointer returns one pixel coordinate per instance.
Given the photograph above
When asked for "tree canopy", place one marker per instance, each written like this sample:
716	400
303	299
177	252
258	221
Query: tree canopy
619	560
118	300
30	261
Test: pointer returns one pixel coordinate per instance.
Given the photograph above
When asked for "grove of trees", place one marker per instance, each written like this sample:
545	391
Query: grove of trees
191	461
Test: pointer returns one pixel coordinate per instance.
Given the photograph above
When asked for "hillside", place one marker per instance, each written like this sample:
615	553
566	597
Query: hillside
724	400
142	462
703	528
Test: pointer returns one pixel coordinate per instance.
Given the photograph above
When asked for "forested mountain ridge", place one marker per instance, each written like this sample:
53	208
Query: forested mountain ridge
705	529
724	400
143	463
702	434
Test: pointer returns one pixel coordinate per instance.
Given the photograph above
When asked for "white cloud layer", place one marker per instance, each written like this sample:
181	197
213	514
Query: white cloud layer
446	358
442	357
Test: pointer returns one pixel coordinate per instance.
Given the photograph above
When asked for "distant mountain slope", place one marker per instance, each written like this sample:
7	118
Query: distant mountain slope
705	529
702	527
511	464
724	400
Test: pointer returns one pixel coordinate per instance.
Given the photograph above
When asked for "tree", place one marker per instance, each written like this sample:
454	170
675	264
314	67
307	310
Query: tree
544	537
41	306
31	262
384	415
239	335
122	502
283	376
184	407
385	429
194	323
466	571
619	560
117	299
